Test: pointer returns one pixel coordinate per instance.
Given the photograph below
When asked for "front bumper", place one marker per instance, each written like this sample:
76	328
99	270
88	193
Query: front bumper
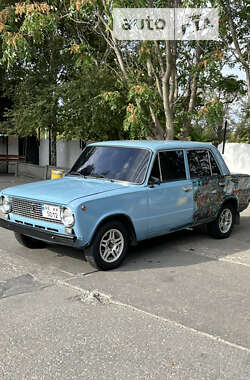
38	233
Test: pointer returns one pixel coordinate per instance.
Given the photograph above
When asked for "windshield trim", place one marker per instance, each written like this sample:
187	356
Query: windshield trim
119	146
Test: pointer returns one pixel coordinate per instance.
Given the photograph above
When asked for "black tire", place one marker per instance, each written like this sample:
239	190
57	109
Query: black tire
222	227
29	242
103	237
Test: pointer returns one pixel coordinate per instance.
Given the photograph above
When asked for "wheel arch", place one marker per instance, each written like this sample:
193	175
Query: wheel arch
124	219
233	202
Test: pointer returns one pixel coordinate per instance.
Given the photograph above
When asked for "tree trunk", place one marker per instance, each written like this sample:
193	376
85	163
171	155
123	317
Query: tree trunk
157	130
169	132
248	86
49	146
242	58
193	89
53	148
220	132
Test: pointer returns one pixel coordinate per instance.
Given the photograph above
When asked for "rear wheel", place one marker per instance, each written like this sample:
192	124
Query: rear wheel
222	227
29	242
109	246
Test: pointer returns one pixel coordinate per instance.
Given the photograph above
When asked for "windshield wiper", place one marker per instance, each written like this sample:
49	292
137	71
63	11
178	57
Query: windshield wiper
93	175
99	176
96	175
75	173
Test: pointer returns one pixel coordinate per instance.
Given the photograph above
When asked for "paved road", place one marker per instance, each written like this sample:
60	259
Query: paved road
177	309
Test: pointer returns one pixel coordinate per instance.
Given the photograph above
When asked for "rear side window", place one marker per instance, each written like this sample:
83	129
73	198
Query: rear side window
172	166
199	164
214	166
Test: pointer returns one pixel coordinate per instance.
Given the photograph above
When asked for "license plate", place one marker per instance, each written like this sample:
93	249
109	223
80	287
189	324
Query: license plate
51	212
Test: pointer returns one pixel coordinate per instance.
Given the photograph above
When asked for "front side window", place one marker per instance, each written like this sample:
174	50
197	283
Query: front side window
172	166
113	163
199	165
155	172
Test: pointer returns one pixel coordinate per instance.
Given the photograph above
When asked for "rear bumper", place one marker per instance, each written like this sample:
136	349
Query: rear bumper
47	236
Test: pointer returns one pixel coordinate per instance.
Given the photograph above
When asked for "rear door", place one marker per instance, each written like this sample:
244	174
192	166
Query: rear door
208	184
171	201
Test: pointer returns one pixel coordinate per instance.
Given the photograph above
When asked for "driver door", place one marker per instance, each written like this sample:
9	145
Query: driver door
171	200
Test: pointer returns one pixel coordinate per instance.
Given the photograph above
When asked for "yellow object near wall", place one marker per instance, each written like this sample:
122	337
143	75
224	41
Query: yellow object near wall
56	173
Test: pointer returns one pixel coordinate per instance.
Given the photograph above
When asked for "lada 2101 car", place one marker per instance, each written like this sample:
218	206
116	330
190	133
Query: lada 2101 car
122	192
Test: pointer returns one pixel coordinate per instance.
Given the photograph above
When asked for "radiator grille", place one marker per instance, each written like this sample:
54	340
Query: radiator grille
30	209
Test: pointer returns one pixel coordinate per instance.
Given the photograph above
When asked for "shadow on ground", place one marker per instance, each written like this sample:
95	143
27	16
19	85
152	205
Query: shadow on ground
181	248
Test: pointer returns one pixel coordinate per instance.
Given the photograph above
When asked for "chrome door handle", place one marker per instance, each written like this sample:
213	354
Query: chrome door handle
187	188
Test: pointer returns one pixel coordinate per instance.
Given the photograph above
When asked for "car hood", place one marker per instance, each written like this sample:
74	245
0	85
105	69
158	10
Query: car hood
62	191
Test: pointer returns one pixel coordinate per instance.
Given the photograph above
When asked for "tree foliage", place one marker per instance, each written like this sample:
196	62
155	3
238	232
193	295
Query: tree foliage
65	71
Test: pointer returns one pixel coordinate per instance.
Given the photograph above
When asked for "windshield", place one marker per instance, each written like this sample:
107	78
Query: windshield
113	163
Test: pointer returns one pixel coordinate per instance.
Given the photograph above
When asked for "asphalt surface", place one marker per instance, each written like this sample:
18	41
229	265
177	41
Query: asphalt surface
178	308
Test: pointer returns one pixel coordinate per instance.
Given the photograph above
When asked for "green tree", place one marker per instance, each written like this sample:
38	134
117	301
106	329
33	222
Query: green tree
235	34
150	89
240	123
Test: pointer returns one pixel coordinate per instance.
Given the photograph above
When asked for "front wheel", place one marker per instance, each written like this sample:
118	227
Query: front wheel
29	242
222	227
109	246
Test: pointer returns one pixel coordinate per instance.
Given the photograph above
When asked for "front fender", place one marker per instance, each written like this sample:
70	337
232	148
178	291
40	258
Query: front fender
131	206
118	215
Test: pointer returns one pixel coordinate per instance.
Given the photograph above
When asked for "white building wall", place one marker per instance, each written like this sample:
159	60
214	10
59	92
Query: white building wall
237	157
12	150
44	152
67	153
13	145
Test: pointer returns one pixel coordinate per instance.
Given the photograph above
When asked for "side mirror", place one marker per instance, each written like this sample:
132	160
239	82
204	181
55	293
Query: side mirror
154	181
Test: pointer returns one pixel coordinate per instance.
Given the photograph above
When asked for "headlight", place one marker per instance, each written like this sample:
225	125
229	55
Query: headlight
5	204
67	216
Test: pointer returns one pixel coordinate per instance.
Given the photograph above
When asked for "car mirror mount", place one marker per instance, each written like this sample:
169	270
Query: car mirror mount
153	181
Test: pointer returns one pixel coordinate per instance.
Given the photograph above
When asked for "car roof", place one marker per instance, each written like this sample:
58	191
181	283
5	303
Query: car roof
154	145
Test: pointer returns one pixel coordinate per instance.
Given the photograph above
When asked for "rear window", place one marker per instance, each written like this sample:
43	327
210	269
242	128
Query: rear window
199	164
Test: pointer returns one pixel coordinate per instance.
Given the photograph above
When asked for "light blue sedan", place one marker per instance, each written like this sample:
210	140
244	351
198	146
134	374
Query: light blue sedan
122	192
